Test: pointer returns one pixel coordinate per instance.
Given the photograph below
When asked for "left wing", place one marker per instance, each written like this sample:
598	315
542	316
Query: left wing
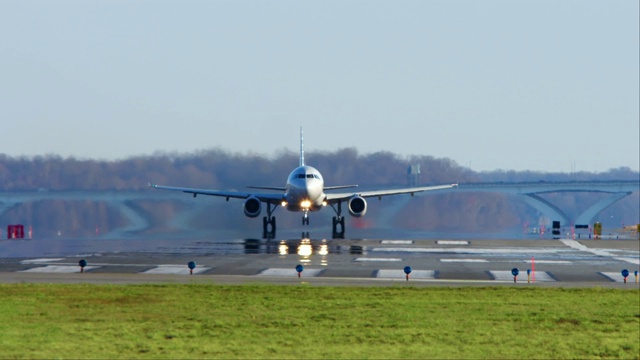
267	198
334	197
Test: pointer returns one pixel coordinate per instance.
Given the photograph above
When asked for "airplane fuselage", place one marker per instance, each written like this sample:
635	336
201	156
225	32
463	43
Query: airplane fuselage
304	190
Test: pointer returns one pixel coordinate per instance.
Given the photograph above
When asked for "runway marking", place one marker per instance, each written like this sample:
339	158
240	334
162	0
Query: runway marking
59	269
38	261
377	259
617	276
289	272
397	242
501	275
578	246
523	251
549	262
464	260
174	270
452	242
399	274
629	260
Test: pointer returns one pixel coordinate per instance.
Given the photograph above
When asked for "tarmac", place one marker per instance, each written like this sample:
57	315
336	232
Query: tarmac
325	262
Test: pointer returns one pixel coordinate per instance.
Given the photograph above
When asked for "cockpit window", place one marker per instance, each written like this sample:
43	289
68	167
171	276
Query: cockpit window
316	176
309	176
300	176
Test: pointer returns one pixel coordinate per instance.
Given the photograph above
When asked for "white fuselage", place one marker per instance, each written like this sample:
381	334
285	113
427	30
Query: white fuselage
305	190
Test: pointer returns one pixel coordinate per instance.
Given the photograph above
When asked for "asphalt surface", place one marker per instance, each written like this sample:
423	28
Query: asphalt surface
361	262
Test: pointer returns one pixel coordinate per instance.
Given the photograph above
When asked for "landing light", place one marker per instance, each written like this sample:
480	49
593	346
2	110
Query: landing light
324	203
305	204
284	204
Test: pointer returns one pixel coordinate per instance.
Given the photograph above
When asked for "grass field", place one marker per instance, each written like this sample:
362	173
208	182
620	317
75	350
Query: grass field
263	321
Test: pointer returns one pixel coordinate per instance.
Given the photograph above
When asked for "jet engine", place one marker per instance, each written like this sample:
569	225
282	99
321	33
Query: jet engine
252	207
357	206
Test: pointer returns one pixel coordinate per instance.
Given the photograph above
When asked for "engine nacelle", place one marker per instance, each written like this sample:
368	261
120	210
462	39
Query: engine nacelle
252	207
357	206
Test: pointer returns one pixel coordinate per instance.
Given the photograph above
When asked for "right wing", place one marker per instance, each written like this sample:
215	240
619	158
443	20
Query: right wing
264	197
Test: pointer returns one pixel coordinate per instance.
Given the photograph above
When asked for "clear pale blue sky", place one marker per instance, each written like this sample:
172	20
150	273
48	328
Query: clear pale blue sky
538	85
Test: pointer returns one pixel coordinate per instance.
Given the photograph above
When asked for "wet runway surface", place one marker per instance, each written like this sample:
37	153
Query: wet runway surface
378	262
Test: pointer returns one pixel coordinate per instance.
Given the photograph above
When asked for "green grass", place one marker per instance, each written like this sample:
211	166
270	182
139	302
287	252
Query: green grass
262	321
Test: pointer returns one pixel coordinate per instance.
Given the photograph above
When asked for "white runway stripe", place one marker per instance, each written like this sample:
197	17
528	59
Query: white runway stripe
548	262
174	270
488	251
452	242
399	274
507	276
397	242
629	260
59	269
617	276
290	272
38	261
463	260
376	259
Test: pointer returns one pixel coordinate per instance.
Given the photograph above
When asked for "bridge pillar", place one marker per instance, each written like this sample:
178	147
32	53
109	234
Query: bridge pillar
588	216
548	209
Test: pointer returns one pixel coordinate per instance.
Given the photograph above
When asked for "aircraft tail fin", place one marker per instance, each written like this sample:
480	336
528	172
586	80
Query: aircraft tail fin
301	148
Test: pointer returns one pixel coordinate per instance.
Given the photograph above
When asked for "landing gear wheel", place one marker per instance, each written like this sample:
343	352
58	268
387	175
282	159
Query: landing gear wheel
269	227
338	233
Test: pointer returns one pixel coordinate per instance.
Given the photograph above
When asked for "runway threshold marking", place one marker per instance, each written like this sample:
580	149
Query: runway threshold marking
506	275
289	272
174	270
399	274
68	269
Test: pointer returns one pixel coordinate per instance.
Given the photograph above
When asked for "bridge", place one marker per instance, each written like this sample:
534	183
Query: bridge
530	191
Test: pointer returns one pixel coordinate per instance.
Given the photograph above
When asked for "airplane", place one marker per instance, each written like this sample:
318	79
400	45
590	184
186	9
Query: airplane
304	192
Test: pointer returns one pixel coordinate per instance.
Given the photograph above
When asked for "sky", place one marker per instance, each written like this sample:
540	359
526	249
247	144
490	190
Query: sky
514	85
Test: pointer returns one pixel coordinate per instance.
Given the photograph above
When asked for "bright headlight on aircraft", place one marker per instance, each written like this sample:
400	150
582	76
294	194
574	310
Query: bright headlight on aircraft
324	203
284	204
305	204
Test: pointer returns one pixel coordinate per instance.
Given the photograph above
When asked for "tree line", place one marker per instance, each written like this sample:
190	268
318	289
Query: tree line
219	169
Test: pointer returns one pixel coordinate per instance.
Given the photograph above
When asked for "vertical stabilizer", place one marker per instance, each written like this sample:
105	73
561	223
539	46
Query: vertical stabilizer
301	148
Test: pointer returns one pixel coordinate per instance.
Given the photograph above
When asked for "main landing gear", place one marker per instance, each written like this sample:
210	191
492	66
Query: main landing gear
338	223
305	218
269	224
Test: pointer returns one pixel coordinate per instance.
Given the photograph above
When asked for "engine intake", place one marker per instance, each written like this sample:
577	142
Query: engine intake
357	206
252	207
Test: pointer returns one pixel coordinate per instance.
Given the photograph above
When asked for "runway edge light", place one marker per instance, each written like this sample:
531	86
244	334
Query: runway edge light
299	269
82	264
625	274
191	265
515	273
407	271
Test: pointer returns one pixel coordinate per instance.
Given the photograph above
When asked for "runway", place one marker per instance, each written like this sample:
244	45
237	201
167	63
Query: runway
362	262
